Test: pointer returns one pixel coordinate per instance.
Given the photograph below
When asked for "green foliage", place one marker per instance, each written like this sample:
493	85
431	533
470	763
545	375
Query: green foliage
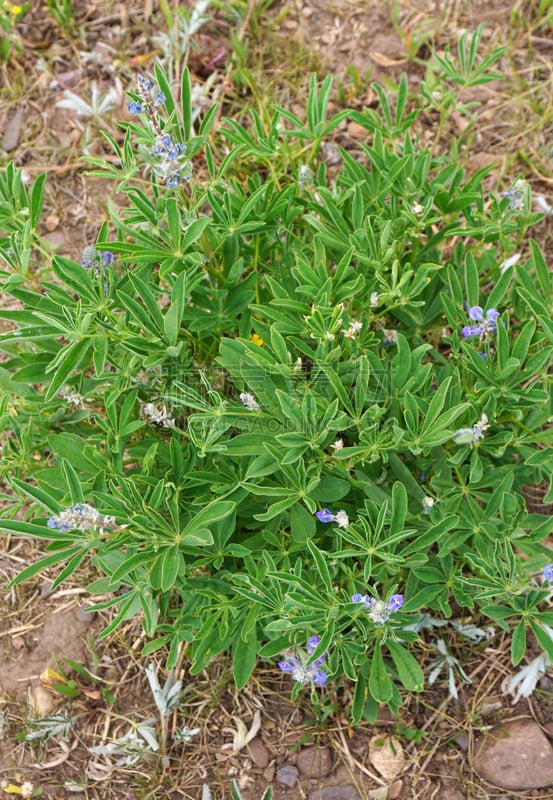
270	341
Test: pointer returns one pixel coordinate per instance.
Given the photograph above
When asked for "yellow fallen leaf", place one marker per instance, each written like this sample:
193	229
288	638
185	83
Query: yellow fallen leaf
49	676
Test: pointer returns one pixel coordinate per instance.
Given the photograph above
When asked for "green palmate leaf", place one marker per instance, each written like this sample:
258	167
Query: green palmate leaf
214	512
32	529
543	637
408	668
320	560
380	683
73	356
58	557
518	643
73	483
45	499
244	653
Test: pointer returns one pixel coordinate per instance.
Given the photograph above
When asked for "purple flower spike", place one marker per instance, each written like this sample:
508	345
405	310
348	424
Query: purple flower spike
476	313
547	573
319	677
487	323
312	644
325	515
297	667
289	666
395	602
378	610
471	330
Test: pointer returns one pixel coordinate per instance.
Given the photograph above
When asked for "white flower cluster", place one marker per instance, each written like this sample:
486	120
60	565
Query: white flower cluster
159	414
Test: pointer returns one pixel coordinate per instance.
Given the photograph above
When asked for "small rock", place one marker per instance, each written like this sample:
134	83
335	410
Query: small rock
357	131
315	762
287	775
348	792
395	790
12	130
269	773
85	615
259	753
462	742
380	793
42	701
18	642
516	756
46	590
492	704
51	222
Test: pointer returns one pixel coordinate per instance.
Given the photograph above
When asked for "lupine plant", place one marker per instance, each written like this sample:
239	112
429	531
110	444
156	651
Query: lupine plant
284	404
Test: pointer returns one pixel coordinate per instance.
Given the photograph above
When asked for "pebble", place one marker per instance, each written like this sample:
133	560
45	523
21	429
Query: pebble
42	702
357	131
85	615
462	742
516	755
269	773
287	775
259	753
46	590
395	790
348	792
51	222
12	130
315	762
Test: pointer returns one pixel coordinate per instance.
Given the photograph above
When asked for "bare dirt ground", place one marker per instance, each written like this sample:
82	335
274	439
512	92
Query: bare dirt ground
300	753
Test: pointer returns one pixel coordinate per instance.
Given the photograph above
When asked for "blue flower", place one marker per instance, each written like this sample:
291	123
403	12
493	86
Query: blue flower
340	518
81	517
379	610
471	435
173	181
91	258
88	257
427	504
547	573
487	324
135	108
159	99
144	84
297	666
518	195
168	153
312	644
